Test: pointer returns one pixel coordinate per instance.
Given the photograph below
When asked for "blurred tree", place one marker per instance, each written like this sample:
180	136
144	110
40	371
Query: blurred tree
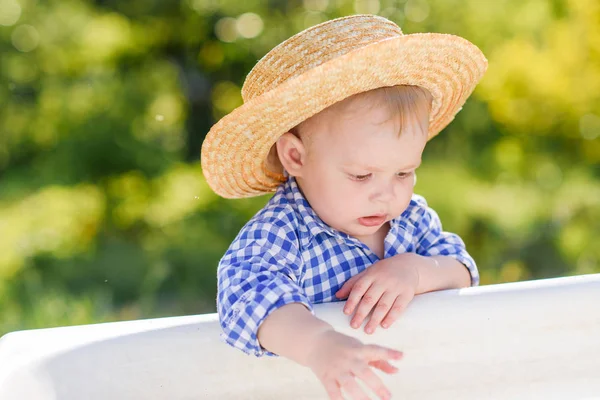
104	214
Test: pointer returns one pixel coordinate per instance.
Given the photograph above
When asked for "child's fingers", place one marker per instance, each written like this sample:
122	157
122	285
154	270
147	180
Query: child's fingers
333	390
347	287
396	310
373	352
368	301
381	310
367	375
350	386
384	366
359	289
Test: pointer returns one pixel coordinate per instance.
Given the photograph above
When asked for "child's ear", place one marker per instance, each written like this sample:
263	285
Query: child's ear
291	153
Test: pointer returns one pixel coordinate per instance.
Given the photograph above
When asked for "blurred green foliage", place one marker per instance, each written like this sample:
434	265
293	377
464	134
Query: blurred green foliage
104	214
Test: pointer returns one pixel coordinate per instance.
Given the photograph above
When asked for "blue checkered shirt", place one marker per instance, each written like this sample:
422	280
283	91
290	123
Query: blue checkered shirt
287	254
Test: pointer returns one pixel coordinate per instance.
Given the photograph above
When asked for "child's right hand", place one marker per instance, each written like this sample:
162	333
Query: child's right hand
338	359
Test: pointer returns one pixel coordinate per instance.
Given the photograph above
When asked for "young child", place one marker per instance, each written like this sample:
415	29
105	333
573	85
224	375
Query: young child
335	120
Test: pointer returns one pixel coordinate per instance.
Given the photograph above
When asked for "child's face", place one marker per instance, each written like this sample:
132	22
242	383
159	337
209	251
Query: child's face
359	172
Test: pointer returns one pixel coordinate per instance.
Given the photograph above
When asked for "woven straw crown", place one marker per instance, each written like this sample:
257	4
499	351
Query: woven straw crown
313	47
319	67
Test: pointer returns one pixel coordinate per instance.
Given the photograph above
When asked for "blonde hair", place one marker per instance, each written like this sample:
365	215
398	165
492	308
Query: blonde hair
407	102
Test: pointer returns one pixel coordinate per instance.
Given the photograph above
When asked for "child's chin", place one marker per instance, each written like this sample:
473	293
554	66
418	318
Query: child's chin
361	230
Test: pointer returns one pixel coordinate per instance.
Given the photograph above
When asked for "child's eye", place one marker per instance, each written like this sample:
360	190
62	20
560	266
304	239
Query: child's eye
403	175
360	177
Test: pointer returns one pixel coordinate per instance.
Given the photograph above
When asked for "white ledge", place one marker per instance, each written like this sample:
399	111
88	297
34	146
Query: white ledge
527	340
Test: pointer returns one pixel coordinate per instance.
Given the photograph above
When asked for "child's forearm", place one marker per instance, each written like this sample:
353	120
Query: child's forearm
446	273
291	331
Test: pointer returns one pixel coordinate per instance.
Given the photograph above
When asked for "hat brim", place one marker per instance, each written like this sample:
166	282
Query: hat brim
235	150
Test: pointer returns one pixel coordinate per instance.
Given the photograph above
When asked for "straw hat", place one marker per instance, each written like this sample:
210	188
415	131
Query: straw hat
318	67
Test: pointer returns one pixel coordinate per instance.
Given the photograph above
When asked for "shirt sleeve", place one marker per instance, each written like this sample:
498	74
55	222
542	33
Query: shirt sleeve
257	275
433	241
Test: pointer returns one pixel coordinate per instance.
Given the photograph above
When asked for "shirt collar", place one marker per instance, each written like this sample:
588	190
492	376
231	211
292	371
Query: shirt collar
314	225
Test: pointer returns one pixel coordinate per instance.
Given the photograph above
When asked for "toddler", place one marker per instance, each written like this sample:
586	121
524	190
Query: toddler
335	121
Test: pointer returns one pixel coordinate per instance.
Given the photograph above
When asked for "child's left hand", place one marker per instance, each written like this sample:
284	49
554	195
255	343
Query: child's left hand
388	285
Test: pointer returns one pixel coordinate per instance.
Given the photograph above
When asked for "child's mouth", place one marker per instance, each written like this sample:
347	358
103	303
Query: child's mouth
373	220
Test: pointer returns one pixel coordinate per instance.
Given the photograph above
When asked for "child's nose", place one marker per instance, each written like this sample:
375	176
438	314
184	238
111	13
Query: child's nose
384	194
